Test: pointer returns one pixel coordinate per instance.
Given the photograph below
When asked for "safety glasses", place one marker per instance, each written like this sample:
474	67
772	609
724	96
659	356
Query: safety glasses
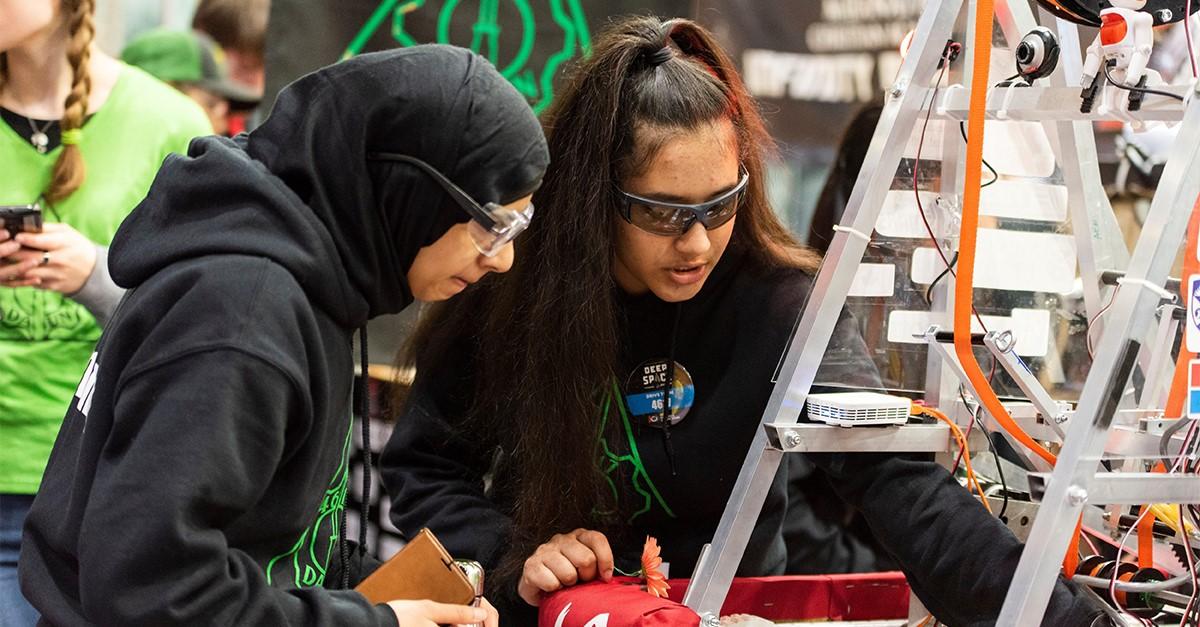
668	218
491	227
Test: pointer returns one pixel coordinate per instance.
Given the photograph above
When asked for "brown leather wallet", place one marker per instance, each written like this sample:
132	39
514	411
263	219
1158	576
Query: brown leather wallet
421	570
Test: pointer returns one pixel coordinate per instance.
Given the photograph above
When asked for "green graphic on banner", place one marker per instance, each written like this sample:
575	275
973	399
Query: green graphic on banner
536	84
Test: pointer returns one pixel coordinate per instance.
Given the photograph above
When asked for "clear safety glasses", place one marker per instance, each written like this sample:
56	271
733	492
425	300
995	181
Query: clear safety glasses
491	227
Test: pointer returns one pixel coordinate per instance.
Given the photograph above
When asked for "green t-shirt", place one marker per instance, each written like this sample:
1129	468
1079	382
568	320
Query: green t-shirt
46	338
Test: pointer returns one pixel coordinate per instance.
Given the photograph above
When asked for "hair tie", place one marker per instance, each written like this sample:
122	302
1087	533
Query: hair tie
72	136
660	56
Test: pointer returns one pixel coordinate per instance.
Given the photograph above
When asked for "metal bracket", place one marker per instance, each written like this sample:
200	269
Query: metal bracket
1125	488
1001	346
812	438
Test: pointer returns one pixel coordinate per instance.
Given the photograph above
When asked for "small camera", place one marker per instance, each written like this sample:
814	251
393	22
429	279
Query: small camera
1037	54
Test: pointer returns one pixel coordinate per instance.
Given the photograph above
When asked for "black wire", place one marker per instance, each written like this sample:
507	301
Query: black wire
1165	440
668	387
1144	90
1187	546
364	414
995	455
962	130
949	268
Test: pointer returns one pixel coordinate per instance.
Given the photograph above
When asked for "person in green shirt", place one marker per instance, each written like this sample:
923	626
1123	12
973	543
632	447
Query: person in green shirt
83	136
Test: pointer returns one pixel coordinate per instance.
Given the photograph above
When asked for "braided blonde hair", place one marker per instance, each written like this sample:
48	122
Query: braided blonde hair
69	170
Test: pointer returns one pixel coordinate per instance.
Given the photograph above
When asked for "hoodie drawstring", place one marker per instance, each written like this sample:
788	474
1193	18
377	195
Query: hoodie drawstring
668	388
362	403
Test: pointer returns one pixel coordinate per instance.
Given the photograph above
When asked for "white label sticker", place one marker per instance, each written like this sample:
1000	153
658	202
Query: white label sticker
874	279
1025	201
1030	328
1193	314
1011	260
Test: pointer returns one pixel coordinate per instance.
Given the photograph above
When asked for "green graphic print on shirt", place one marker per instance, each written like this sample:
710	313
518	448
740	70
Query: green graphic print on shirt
308	559
33	315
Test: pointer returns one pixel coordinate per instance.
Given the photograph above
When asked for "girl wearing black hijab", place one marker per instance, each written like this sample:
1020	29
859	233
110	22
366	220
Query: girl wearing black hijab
201	472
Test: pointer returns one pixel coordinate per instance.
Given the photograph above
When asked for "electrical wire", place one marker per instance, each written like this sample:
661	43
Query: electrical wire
972	481
1112	583
1136	586
1180	462
962	130
1187	31
1144	90
1112	298
958	460
1191	566
948	270
1165	441
995	456
1091	545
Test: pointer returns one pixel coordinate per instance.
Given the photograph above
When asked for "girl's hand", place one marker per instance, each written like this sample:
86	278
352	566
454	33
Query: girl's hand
430	614
59	259
568	558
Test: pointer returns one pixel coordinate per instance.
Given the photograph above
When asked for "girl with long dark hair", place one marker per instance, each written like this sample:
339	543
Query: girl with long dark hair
539	437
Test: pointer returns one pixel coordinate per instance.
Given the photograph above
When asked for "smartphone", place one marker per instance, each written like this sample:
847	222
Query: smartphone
21	219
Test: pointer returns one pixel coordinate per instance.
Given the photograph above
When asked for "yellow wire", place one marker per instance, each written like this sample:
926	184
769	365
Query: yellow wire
962	443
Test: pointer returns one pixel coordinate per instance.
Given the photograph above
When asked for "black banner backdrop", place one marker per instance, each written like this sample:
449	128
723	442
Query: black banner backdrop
529	41
811	63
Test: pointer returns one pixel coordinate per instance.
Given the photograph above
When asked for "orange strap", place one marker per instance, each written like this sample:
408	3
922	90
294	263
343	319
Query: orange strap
1191	266
1071	560
964	289
1145	534
965	285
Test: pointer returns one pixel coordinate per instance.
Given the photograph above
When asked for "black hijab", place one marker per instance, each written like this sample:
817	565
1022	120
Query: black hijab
444	105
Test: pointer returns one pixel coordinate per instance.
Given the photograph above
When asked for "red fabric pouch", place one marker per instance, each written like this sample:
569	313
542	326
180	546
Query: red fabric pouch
612	604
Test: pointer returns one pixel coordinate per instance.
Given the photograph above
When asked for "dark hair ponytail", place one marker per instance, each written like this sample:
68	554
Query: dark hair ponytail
545	337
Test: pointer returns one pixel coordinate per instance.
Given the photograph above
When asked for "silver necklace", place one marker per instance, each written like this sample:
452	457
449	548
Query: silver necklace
39	138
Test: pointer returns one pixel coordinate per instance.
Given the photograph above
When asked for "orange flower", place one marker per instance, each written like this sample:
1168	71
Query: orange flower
656	583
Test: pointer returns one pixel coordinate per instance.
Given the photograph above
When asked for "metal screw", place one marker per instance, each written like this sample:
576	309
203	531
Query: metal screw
1060	418
791	439
1076	495
708	620
1165	16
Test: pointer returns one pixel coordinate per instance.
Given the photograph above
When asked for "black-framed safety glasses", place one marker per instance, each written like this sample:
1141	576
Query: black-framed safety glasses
669	218
491	227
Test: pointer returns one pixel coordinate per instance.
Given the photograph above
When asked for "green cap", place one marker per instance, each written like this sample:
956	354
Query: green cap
187	57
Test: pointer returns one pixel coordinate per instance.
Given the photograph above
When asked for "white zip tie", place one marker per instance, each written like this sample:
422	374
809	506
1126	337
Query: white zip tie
852	231
1162	293
947	92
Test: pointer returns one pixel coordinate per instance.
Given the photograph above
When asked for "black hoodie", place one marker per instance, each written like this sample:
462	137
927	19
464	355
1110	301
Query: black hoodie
201	471
729	338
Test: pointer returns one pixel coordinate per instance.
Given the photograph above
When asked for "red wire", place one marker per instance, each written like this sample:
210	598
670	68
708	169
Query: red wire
1187	30
1091	545
1187	549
